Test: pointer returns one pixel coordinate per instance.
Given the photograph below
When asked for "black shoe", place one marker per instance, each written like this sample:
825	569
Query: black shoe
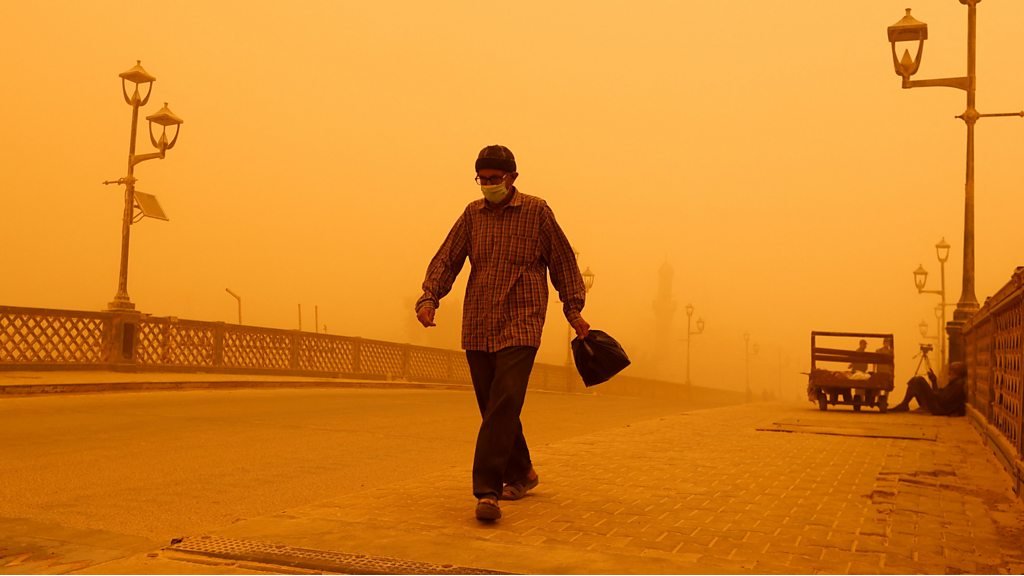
900	408
516	490
487	510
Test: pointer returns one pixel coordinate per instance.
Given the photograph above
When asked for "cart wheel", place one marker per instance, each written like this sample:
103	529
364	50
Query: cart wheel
883	404
856	403
822	403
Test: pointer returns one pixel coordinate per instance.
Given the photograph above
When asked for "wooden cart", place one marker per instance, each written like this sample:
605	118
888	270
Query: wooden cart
837	385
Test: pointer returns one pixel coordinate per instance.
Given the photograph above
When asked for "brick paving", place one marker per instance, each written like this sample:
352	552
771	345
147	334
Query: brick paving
701	492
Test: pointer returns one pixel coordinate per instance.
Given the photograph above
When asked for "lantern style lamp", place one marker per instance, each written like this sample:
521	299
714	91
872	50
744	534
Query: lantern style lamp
908	29
588	279
920	277
942	250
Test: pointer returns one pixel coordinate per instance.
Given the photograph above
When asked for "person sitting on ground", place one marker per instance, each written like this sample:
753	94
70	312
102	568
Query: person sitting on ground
948	401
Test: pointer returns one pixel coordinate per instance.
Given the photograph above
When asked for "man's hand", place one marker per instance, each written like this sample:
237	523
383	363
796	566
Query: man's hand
426	316
581	327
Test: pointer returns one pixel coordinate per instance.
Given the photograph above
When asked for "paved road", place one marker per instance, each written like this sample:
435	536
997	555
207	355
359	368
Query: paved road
100	483
712	491
141	468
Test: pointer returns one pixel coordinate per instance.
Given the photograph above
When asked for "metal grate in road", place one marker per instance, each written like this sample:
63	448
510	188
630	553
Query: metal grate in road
323	560
849	428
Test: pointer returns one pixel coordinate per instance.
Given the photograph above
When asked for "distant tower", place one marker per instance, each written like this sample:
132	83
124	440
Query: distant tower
664	313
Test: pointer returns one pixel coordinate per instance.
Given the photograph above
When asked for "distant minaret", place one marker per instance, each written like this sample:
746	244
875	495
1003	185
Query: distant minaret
664	312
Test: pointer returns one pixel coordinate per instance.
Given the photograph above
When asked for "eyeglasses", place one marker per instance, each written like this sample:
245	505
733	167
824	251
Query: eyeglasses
489	179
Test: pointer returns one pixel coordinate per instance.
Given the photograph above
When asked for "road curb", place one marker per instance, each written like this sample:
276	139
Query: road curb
188	385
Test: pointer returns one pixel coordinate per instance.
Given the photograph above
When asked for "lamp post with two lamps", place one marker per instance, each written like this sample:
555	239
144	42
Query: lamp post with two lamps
690	333
146	203
921	279
909	29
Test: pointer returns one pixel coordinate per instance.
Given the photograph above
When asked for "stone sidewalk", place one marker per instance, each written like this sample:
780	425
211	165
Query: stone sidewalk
698	492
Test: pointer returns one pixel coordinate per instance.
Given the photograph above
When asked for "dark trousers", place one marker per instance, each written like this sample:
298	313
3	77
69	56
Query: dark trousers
500	379
918	389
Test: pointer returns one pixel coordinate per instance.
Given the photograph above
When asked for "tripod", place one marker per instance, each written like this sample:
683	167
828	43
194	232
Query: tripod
924	360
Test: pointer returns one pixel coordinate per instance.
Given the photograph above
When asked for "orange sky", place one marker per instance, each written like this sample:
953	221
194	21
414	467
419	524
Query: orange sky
764	150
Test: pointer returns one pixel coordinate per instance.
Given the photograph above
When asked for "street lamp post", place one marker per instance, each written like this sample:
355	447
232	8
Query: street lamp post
921	279
909	29
689	334
165	118
239	298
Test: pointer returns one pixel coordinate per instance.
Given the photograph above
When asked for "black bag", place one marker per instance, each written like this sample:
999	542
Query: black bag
598	357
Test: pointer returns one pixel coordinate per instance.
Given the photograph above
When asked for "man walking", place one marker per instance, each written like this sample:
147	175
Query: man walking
512	241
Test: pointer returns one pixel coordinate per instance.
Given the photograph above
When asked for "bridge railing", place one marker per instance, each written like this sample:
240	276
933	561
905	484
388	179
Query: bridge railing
994	339
47	339
31	337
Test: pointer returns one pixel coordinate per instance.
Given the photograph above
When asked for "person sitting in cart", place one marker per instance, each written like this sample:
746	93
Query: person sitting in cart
948	401
887	350
860	366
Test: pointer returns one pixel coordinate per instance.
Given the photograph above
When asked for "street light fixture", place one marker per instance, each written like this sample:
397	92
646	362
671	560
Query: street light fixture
588	279
164	117
921	280
133	199
909	29
942	250
689	334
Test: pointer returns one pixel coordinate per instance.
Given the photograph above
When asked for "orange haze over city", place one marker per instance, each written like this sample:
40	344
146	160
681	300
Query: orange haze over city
762	152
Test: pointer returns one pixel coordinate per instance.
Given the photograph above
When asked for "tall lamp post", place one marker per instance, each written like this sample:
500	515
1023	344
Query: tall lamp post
132	199
911	30
921	279
748	351
690	333
239	298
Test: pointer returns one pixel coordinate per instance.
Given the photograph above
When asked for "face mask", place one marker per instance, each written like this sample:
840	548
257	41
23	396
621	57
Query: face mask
494	193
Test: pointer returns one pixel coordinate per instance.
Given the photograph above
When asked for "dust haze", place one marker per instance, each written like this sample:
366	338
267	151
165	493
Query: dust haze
757	160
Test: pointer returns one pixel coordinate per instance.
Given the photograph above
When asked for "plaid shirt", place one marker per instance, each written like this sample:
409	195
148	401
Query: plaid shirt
510	249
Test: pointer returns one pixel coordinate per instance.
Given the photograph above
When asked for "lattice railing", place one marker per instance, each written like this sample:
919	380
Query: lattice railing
460	369
1007	393
35	337
253	348
980	385
551	377
40	336
429	365
995	353
322	353
382	359
168	342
